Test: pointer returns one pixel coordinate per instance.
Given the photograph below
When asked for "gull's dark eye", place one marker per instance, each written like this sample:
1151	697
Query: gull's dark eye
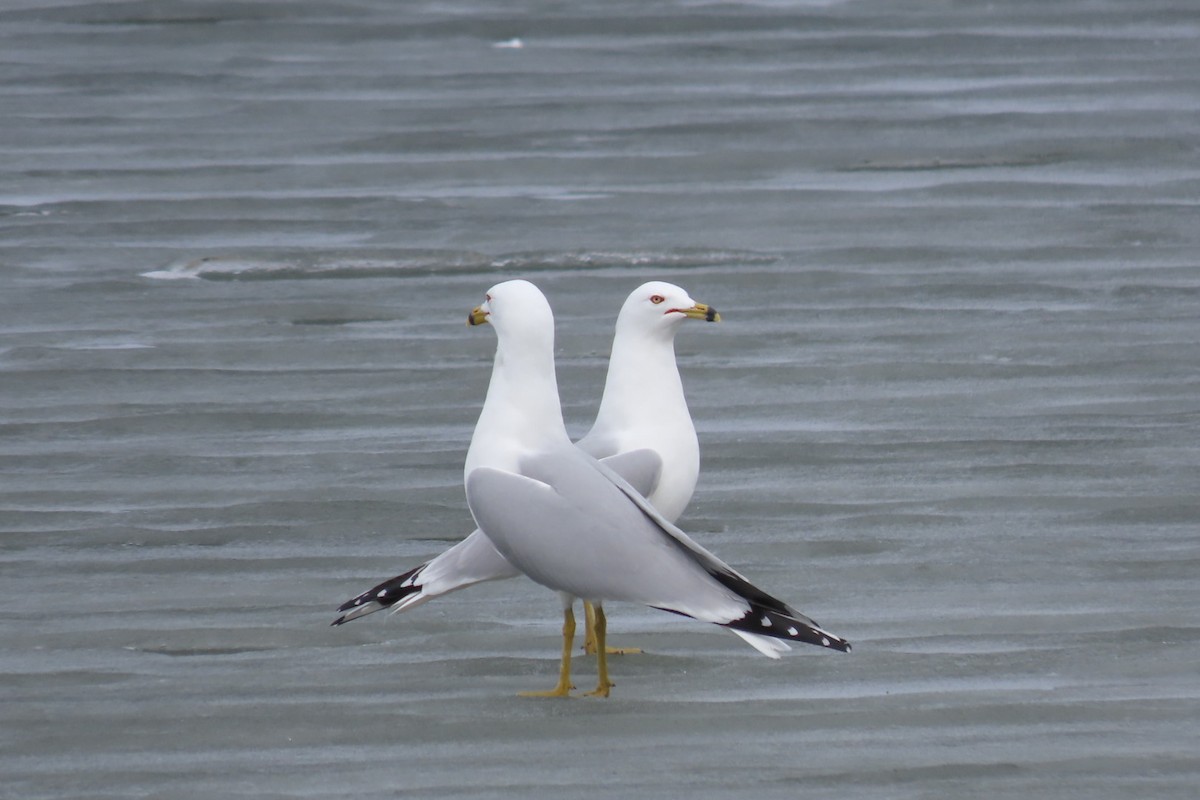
487	298
657	298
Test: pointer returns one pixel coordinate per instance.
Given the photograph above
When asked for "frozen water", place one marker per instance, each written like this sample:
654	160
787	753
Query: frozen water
952	412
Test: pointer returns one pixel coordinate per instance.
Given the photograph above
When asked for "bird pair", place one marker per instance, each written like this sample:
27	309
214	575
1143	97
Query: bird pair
592	520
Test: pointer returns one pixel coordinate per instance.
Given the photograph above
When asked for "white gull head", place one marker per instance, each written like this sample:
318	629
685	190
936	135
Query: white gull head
522	409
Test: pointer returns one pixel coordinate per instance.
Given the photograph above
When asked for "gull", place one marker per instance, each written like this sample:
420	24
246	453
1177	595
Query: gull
575	526
643	432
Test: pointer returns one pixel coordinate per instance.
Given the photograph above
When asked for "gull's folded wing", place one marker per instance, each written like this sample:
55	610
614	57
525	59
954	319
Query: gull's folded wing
731	578
641	469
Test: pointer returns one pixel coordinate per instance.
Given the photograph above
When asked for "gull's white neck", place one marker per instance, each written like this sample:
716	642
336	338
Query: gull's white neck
522	412
644	407
643	385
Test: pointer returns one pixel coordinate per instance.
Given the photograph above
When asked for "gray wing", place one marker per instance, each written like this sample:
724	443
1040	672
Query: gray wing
715	567
471	561
641	469
574	525
569	528
667	528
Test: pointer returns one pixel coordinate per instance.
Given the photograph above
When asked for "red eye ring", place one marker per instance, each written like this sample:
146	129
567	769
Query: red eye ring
657	299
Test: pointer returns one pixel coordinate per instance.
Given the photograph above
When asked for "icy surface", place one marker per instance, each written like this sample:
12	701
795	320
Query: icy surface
953	412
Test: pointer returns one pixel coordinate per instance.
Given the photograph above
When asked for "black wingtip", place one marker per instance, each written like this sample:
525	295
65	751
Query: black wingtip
384	595
767	622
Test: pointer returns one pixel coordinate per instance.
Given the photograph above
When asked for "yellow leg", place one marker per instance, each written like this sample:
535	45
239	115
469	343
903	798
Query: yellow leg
603	684
589	637
589	633
564	687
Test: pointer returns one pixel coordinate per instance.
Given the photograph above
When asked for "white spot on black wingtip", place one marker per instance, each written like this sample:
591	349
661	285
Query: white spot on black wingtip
769	622
384	595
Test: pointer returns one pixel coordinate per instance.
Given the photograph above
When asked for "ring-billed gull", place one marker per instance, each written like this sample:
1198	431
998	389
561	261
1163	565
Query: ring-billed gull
575	526
643	431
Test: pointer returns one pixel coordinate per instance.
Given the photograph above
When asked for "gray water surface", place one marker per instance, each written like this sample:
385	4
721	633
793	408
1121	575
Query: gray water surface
953	412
